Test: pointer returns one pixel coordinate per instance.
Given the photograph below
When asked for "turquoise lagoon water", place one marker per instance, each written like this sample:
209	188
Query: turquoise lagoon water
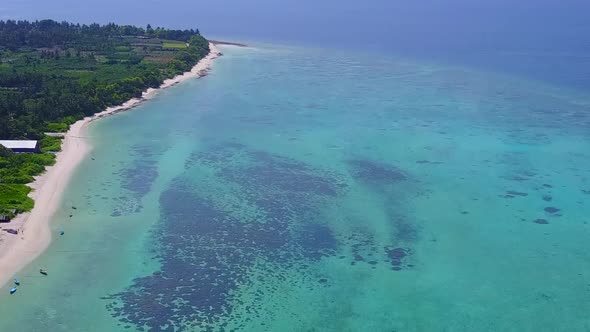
309	190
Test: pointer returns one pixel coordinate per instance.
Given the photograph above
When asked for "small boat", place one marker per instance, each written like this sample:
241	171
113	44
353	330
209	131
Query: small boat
62	233
16	282
13	290
43	272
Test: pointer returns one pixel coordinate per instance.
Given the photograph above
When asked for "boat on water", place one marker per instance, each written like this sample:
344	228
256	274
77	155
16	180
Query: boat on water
13	290
43	272
17	282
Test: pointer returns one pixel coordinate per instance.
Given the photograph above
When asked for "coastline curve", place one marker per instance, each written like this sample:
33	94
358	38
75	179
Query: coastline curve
34	237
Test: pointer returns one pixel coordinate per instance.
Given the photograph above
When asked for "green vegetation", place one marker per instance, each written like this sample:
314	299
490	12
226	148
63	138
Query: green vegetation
174	44
52	74
50	144
16	170
13	197
19	168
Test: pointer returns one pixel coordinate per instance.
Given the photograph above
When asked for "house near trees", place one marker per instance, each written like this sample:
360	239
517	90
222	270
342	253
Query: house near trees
21	146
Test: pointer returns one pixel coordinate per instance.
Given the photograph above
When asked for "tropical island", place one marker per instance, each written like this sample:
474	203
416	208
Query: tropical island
53	74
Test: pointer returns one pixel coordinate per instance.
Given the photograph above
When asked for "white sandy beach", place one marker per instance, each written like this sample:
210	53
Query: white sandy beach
17	251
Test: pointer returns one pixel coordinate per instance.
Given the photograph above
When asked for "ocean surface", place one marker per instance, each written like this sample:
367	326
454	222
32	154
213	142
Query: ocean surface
301	189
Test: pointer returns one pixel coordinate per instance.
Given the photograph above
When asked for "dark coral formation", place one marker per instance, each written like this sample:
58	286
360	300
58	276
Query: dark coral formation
373	172
521	175
516	193
551	209
137	179
362	247
397	257
383	178
207	248
405	231
428	162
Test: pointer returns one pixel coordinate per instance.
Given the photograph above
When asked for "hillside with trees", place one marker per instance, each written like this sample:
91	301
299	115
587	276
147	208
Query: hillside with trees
54	73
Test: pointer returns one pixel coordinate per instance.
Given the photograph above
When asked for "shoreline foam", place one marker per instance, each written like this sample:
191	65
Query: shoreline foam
17	251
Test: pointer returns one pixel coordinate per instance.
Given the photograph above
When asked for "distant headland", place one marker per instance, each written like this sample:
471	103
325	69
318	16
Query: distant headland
220	42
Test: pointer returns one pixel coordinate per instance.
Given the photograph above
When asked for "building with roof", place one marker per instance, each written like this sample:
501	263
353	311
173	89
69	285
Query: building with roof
21	146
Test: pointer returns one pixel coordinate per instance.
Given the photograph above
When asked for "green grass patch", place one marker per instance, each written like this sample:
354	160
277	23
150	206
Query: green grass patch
173	44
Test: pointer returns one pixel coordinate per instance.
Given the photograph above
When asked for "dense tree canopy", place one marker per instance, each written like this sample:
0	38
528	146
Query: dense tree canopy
51	70
49	33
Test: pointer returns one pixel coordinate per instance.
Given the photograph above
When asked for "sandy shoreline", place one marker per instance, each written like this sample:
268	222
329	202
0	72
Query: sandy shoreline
17	251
